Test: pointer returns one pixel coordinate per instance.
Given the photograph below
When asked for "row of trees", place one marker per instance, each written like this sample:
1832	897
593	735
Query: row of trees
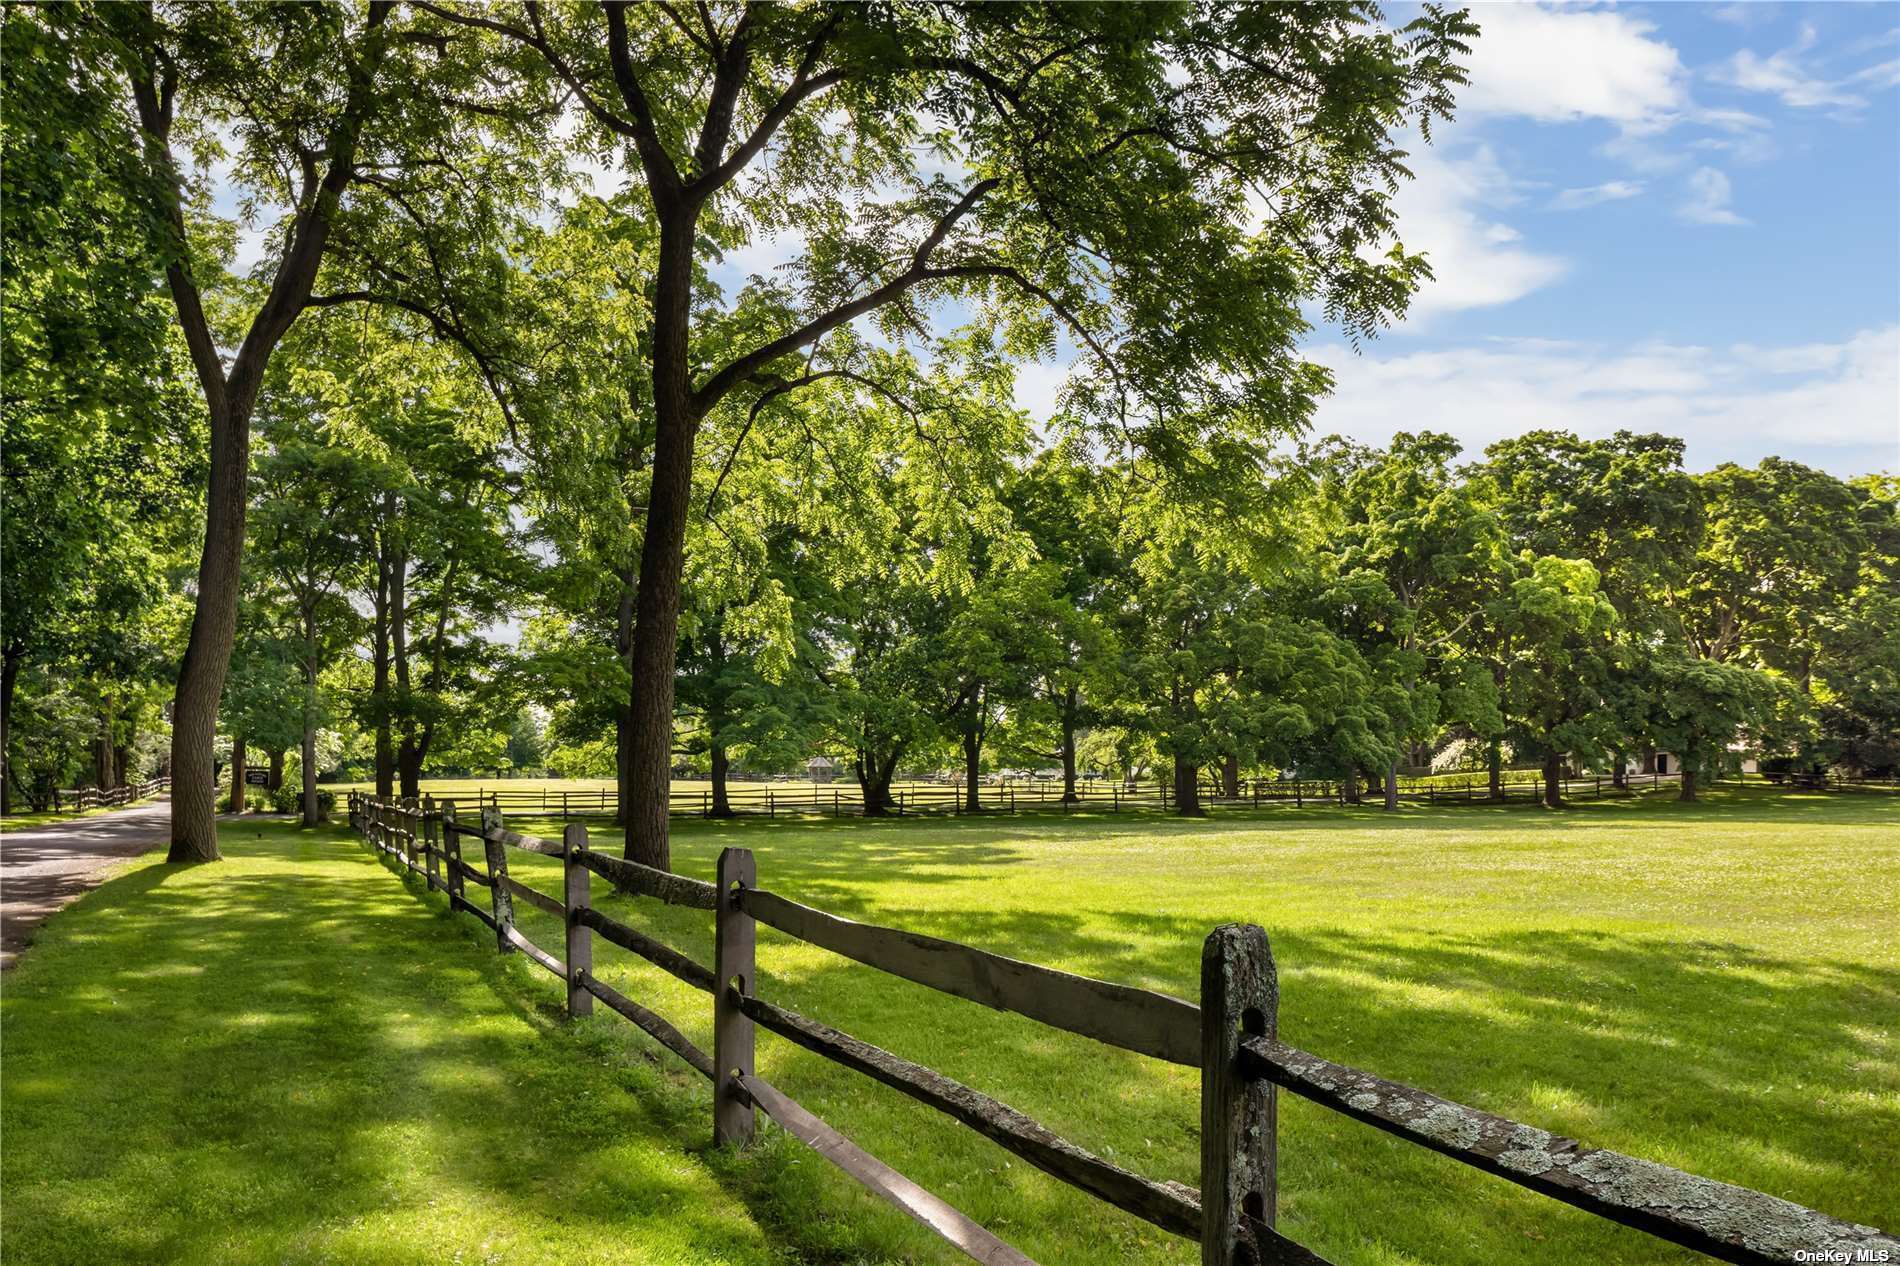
803	512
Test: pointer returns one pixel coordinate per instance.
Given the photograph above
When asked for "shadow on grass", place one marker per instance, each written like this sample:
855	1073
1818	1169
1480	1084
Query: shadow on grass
259	1066
288	1057
1774	1071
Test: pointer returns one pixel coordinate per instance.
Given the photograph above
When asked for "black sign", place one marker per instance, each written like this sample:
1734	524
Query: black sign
257	778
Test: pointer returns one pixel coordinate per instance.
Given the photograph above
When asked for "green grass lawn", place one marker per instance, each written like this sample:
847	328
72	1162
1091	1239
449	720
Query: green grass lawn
289	1056
1713	986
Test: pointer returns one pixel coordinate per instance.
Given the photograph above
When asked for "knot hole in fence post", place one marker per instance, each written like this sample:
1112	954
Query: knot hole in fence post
734	967
1240	997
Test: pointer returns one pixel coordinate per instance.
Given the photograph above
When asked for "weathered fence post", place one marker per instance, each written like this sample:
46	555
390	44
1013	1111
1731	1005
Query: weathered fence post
411	832
452	856
1240	996
431	843
575	894
497	854
733	968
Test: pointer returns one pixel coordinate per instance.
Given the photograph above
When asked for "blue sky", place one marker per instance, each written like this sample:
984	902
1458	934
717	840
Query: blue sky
1675	217
1683	218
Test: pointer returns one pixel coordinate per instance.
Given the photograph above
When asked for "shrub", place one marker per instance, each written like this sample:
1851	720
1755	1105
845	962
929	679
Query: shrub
289	799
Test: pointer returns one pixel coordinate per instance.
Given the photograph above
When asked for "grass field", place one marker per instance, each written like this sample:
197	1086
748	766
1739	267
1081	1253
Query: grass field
289	1056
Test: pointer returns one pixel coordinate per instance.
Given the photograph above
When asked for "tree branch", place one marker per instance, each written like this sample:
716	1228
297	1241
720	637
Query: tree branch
663	178
743	367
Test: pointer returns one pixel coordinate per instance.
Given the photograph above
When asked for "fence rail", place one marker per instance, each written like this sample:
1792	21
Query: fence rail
1231	1036
79	799
845	800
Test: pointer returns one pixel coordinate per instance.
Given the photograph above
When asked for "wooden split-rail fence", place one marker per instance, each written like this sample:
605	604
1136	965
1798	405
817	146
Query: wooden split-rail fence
1231	1036
82	798
747	799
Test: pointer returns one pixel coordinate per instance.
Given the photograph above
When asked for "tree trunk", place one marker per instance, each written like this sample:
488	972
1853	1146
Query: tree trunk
276	782
237	774
408	755
874	782
972	775
379	686
1069	795
1187	790
1553	782
623	711
308	752
1495	765
1686	784
103	757
663	550
1620	772
409	767
213	629
721	765
121	764
1392	785
1230	776
9	678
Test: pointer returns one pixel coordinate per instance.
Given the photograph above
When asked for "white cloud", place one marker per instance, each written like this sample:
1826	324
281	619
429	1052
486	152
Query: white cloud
1477	261
1881	75
1557	65
1795	78
1708	202
1595	195
1833	405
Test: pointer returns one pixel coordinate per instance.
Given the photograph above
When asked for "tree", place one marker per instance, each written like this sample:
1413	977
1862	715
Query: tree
1697	707
1555	642
1416	553
211	59
328	107
1074	679
95	426
1781	550
1856	679
310	536
1625	506
1170	117
264	704
1223	668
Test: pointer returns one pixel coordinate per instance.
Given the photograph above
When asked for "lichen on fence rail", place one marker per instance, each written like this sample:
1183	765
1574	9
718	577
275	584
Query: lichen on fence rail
1732	1223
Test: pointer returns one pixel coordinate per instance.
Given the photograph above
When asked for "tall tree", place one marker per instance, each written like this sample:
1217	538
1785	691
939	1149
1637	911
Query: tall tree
929	153
300	142
97	421
332	110
1417	553
1554	629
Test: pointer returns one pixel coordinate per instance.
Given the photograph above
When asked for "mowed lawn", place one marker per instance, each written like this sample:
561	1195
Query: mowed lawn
290	1056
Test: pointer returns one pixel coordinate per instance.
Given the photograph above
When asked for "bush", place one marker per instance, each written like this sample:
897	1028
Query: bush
289	799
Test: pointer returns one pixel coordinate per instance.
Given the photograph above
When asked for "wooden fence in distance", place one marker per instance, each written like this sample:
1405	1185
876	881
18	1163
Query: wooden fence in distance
1231	1036
83	798
749	799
